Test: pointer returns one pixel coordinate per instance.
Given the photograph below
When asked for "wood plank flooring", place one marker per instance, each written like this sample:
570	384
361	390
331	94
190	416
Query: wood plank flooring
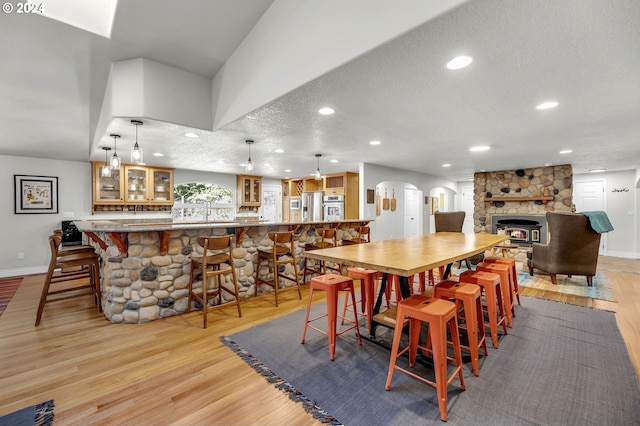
172	371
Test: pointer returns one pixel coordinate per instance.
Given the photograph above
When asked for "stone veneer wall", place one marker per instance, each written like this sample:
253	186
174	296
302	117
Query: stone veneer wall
145	285
556	181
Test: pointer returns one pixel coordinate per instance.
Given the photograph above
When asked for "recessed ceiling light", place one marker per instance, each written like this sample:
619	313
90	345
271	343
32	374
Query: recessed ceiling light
279	151
566	151
375	143
446	165
158	154
597	170
547	105
191	135
288	170
459	62
479	148
326	111
333	161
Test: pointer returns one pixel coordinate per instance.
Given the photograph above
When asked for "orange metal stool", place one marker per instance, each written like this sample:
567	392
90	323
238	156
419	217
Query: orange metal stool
438	313
515	290
505	285
332	284
469	296
367	279
490	284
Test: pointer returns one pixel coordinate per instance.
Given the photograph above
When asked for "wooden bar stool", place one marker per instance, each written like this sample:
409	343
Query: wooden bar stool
328	238
505	285
332	284
68	273
515	290
280	253
490	285
470	297
367	279
216	252
364	236
438	313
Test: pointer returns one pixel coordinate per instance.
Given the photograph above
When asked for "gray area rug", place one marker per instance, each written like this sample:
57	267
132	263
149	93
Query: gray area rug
560	365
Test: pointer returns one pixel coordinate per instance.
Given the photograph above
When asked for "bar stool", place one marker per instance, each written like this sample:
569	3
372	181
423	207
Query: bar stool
216	251
332	284
490	285
367	279
469	296
505	285
280	253
327	239
515	290
67	268
438	313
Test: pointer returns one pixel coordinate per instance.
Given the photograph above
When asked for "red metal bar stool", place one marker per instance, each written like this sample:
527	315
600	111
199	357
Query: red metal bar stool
505	285
367	279
332	284
490	285
515	290
438	313
469	296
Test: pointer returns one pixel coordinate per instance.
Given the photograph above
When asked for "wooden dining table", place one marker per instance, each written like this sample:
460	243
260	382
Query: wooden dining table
406	257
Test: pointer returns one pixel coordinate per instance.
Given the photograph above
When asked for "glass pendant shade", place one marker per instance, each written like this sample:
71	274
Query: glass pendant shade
249	162
106	168
317	174
115	160
136	151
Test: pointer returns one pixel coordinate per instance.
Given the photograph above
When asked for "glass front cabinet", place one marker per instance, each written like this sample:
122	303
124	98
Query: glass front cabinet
132	188
249	190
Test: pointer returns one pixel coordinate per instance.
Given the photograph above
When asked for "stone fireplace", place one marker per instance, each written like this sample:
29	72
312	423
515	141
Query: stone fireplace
521	195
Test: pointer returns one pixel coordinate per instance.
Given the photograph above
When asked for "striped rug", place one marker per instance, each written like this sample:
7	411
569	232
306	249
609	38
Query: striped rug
8	288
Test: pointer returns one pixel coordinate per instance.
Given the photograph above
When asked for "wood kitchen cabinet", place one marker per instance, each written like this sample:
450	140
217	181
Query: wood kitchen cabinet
132	188
345	183
249	190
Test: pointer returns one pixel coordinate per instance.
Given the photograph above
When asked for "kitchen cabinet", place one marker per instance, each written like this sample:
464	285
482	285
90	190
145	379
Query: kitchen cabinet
132	188
249	190
345	183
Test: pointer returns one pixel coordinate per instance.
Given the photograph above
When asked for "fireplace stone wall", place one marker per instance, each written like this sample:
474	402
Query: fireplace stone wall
535	191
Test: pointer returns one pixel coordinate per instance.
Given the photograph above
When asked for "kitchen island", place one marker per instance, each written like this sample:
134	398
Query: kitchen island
145	265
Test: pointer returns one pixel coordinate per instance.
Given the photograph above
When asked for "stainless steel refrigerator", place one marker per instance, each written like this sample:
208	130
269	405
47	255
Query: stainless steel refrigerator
312	206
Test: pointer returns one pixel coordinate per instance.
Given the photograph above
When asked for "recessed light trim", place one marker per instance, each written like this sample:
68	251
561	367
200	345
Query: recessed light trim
279	150
158	154
333	161
191	135
480	148
597	170
375	143
566	151
446	165
459	62
287	170
547	105
326	111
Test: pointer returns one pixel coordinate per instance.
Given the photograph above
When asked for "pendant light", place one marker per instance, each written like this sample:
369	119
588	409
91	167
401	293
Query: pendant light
136	151
249	162
115	160
106	169
317	174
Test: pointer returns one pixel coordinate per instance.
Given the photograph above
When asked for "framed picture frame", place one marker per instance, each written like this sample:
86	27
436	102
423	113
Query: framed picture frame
370	196
35	194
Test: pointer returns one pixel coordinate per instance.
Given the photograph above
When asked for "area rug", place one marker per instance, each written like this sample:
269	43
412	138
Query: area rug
8	288
561	364
36	415
576	285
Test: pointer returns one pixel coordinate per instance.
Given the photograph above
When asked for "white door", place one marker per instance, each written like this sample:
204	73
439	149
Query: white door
468	207
589	196
269	210
412	214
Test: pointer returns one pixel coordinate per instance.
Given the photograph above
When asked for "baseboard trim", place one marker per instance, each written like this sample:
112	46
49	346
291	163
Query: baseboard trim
19	272
625	254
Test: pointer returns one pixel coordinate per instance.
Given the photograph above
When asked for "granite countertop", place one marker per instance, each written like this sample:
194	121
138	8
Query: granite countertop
116	226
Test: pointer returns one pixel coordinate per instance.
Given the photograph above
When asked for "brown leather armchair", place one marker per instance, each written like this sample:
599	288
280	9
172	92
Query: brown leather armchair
572	249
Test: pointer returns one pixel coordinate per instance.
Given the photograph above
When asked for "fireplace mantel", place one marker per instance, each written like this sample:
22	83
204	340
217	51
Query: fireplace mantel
543	199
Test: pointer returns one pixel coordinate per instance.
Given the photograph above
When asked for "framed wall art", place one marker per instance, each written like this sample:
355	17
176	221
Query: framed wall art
35	194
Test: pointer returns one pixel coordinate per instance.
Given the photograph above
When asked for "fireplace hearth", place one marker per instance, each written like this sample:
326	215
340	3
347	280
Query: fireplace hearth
523	230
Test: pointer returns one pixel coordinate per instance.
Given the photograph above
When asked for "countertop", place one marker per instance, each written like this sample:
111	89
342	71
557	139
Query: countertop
115	226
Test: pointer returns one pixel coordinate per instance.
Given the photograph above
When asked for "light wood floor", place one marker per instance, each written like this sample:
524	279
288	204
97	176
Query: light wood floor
172	371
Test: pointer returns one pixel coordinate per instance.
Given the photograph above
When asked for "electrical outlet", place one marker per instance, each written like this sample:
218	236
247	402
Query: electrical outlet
20	255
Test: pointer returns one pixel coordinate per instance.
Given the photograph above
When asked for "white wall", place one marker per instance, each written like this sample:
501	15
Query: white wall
621	210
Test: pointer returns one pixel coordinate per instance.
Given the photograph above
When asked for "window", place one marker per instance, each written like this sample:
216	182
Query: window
202	202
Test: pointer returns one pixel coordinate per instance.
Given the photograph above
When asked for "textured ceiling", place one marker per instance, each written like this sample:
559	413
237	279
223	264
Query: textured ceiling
582	54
